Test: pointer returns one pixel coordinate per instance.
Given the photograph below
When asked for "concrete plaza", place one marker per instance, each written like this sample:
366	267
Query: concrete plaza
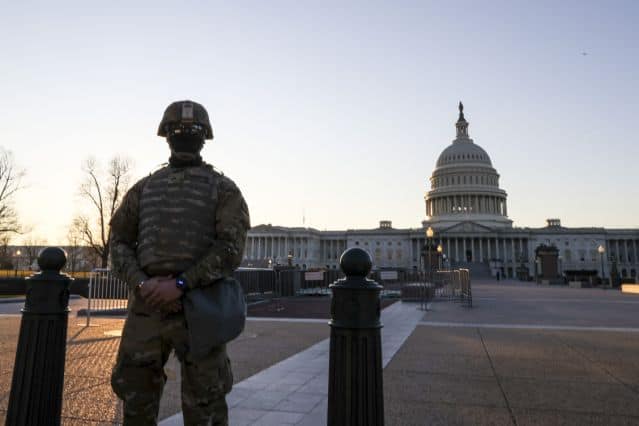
524	354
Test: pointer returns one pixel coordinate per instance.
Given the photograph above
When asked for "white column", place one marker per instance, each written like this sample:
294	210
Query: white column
473	254
520	246
512	254
481	249
505	250
489	250
275	248
625	250
464	247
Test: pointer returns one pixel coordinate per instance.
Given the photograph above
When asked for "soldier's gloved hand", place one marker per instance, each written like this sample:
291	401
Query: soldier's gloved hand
149	284
163	293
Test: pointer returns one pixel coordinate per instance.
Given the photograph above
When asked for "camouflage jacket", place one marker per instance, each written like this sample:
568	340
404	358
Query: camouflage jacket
224	255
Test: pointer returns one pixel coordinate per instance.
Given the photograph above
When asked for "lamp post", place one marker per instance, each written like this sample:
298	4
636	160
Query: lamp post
440	249
429	238
601	251
561	273
17	262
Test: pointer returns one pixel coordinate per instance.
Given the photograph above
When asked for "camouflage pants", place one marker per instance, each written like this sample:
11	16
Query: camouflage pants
138	376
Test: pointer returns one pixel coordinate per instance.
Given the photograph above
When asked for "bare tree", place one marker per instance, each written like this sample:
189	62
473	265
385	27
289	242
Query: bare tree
31	249
104	192
10	183
6	258
74	251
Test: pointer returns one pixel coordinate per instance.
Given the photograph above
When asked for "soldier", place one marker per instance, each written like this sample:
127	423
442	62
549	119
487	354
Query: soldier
182	227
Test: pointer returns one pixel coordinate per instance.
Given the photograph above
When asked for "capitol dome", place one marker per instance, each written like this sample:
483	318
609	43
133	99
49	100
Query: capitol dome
463	151
464	185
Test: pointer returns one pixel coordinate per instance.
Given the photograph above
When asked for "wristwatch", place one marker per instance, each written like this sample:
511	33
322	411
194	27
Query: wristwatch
180	283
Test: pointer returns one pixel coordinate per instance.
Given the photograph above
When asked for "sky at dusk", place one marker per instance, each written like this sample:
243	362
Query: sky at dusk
334	112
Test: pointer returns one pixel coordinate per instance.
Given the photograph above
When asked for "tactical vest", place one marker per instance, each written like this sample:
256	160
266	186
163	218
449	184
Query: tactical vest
177	218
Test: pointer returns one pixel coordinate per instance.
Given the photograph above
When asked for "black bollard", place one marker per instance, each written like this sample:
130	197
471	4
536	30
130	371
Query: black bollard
355	388
38	372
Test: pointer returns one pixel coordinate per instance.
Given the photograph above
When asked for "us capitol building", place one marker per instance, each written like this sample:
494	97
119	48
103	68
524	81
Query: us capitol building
467	210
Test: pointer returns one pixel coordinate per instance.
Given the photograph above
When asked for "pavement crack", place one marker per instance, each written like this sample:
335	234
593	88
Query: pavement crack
632	388
501	388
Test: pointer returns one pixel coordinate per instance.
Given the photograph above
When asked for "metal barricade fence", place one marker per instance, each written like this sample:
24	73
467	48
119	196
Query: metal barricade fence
106	293
466	291
256	283
441	285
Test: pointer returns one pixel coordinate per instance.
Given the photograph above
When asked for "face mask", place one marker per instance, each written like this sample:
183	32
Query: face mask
185	147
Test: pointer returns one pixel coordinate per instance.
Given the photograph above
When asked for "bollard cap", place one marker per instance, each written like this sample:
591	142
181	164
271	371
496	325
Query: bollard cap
355	262
52	259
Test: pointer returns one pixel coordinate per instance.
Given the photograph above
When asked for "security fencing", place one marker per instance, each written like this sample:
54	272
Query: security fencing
107	294
454	285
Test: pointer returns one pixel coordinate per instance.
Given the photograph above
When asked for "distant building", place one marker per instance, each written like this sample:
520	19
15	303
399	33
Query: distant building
468	212
79	258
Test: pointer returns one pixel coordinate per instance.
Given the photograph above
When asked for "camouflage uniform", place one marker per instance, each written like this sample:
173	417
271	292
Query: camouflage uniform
189	222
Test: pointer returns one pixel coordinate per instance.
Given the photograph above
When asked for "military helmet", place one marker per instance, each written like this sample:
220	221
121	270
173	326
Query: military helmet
186	113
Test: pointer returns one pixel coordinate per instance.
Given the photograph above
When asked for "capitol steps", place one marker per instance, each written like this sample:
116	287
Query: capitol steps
477	270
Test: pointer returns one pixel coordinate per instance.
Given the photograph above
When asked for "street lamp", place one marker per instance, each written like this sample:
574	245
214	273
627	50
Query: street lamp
560	268
440	249
17	262
601	251
429	238
289	258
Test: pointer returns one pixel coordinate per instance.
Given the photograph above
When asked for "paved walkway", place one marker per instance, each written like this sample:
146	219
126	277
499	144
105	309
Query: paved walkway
295	391
524	354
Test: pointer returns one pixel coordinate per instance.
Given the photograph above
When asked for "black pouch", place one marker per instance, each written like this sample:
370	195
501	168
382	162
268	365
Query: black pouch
214	315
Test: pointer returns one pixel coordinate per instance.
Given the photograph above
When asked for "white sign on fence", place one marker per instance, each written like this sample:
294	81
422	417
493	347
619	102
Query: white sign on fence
388	275
314	276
